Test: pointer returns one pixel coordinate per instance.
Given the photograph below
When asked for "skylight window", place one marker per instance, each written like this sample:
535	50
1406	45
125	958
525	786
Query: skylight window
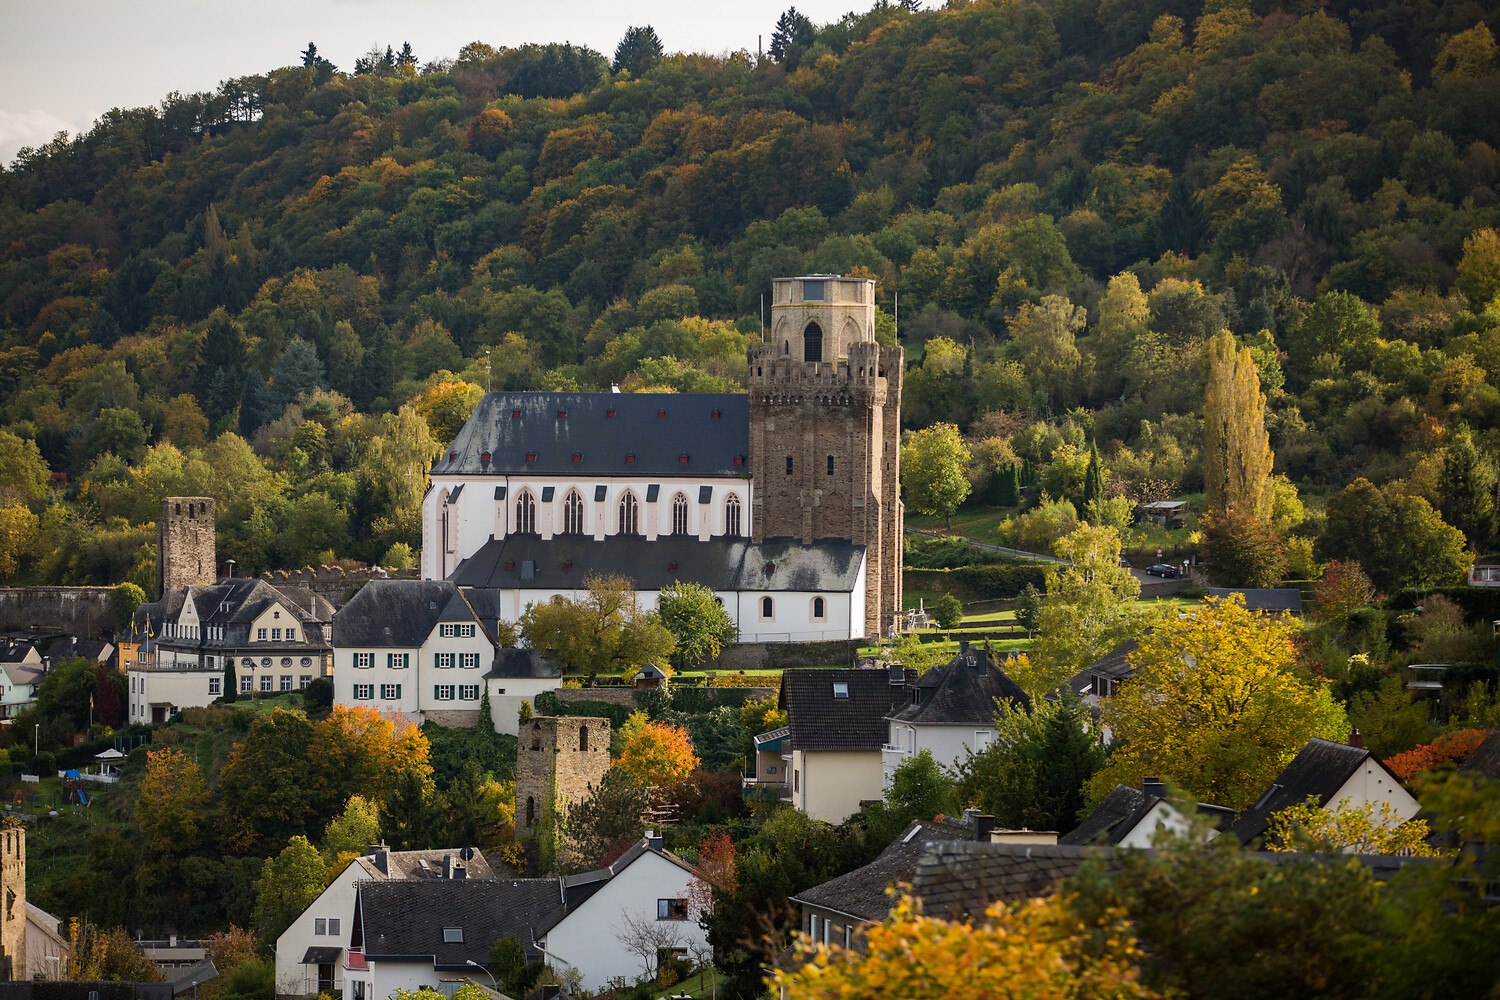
453	935
841	689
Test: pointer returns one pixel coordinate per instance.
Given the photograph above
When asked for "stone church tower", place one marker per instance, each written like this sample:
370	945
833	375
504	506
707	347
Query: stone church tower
558	760
13	901
185	546
825	426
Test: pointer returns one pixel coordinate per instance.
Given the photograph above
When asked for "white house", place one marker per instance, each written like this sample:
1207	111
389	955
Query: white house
620	920
1133	817
310	953
951	711
18	684
1335	777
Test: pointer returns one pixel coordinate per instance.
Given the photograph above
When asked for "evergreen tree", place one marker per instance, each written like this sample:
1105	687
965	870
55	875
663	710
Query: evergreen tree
486	712
1182	220
297	370
254	405
406	57
1236	449
793	33
231	682
1466	488
638	51
1093	479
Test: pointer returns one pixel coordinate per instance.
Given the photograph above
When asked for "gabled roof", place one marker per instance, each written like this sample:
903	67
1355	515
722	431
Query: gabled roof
1114	665
577	888
406	919
961	692
563	562
1317	772
235	603
1486	757
519	662
862	892
23	673
821	721
1263	599
397	613
70	646
14	651
656	430
957	880
431	865
1124	808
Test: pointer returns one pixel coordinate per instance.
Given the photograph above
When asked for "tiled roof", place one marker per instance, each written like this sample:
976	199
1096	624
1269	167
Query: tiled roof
398	613
235	603
862	892
514	662
1263	599
1114	665
406	919
435	864
1486	757
70	646
821	721
962	691
577	888
725	564
1317	772
1120	804
957	880
636	434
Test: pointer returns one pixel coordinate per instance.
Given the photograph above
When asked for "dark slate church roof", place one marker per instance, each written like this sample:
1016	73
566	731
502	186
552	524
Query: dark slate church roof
821	721
563	561
1317	772
602	428
1263	599
961	692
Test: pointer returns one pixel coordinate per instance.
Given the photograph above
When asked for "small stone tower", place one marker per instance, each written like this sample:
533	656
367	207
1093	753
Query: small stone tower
825	429
558	760
185	549
13	901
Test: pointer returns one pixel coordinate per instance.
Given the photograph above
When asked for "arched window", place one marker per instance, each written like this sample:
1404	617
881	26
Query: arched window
732	516
630	515
583	737
786	347
525	513
679	515
812	343
767	608
819	611
573	514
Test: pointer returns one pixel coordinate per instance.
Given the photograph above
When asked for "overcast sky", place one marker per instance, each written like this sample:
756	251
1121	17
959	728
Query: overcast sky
68	61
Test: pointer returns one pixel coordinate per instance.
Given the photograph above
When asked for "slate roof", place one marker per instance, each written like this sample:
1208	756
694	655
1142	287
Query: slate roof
235	603
1317	772
819	721
1263	599
1486	757
405	919
1114	665
862	892
71	646
23	673
602	428
726	564
12	651
961	692
1122	811
398	613
409	865
512	662
577	888
957	880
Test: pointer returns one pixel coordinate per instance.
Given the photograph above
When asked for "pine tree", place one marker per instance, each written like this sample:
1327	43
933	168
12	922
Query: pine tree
1093	478
638	51
1466	487
231	682
406	57
1236	449
793	33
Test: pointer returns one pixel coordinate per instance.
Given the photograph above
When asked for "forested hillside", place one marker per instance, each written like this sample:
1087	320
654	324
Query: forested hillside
286	294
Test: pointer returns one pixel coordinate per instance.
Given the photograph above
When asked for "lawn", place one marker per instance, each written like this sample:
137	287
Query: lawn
700	985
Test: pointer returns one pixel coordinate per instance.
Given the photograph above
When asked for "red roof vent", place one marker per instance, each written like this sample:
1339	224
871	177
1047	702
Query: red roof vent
739	460
578	456
515	414
510	564
562	414
714	415
531	456
609	412
567	565
672	566
484	457
682	459
452	456
661	414
630	458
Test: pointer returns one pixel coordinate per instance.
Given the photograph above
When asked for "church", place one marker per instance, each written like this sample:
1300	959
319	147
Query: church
784	501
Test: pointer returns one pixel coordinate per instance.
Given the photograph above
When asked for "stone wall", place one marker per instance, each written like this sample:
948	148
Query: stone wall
80	611
784	655
454	718
186	552
610	695
334	583
13	893
558	759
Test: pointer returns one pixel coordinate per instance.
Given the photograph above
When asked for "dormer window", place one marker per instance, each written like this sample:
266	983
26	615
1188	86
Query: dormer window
841	689
453	935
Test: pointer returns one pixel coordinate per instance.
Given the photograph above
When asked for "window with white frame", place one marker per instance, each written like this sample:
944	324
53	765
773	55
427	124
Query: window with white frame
286	682
671	909
276	635
364	661
260	634
443	660
469	660
325	926
767	609
304	680
291	635
443	692
732	516
525	513
398	661
573	513
468	692
630	515
364	692
447	630
679	514
247	685
466	631
819	609
267	683
390	692
214	685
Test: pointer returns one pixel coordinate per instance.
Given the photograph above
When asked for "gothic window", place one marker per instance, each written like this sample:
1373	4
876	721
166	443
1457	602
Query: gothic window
525	513
679	515
812	343
630	516
573	514
786	347
819	610
732	516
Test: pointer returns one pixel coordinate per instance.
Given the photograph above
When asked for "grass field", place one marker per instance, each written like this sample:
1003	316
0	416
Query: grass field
701	985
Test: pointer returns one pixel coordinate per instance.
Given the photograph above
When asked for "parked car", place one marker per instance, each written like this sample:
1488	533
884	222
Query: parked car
1164	570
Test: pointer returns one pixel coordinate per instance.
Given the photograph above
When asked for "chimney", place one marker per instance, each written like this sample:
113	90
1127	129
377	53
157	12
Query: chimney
1357	740
382	858
447	866
1154	788
459	871
980	825
653	840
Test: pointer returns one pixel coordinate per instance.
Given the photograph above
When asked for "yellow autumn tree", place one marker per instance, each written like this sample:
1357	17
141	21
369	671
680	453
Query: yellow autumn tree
655	753
1373	828
1214	706
172	803
1035	949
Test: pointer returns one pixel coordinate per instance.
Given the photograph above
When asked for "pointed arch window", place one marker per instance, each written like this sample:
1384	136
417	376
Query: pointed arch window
525	513
573	514
732	523
679	515
630	515
812	343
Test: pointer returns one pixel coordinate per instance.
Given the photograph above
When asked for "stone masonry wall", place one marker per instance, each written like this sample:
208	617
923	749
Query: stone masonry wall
556	765
186	552
13	901
80	611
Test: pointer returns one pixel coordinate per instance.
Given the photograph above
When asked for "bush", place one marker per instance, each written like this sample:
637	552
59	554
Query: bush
979	583
1481	604
948	610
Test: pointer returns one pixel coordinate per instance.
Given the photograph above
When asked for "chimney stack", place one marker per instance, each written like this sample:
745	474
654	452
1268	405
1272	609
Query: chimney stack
980	825
1154	788
1357	740
653	840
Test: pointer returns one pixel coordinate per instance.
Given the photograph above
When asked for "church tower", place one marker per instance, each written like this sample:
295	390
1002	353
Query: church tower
825	419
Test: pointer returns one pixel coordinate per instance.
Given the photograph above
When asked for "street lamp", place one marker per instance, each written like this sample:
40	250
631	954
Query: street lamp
36	742
495	983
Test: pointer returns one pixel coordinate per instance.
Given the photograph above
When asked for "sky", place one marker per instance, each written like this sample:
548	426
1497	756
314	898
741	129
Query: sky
68	61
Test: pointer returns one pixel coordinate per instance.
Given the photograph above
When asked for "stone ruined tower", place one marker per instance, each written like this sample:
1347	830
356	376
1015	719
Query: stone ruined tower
185	552
13	901
558	760
825	430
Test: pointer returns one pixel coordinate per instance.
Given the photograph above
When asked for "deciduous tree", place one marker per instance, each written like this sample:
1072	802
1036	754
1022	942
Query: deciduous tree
1236	449
697	621
934	471
288	884
1088	610
602	630
655	753
172	803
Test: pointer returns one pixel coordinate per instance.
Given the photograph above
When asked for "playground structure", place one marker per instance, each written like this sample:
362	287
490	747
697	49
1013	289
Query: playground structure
72	783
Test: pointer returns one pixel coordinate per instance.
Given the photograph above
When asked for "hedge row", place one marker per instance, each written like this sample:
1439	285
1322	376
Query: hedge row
1478	603
978	583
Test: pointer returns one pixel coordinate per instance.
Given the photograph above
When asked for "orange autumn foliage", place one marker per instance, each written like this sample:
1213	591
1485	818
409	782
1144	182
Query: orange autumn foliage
655	753
1450	748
